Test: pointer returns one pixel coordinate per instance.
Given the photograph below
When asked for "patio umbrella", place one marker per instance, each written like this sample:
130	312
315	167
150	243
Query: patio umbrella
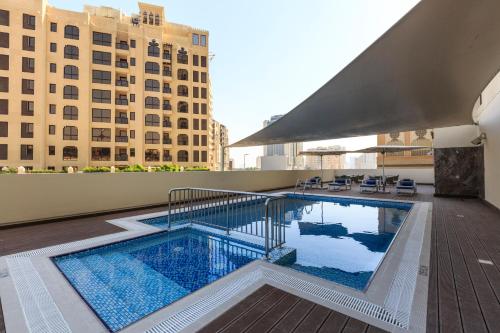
383	149
323	152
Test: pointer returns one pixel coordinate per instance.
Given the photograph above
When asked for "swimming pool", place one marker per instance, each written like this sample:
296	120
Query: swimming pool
339	239
126	281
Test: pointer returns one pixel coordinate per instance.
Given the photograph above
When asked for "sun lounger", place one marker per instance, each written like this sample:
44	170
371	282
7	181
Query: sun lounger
340	184
406	186
369	185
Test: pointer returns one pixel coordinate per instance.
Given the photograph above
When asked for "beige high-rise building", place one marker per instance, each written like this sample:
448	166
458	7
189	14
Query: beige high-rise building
414	158
220	141
101	88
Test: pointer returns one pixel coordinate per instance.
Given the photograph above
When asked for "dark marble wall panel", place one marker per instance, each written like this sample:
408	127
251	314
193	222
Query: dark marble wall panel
459	171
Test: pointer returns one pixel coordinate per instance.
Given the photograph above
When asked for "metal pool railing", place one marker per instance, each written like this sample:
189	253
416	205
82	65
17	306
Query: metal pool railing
256	214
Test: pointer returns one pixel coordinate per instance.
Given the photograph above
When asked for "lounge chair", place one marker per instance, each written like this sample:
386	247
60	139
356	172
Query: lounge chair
311	182
406	186
340	184
370	185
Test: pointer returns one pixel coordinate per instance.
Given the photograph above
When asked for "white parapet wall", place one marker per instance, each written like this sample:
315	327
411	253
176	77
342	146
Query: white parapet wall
423	175
35	197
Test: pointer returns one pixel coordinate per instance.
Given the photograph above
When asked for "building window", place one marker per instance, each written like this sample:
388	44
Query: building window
71	32
132	134
52	109
203	40
4	84
203	77
103	77
182	107
196	92
196	124
4	62
52	150
152	103
132	79
53	68
52	88
157	19
28	87
101	154
132	115
101	38
195	76
53	26
101	134
70	153
27	108
204	156
101	96
26	152
4	17
182	156
196	140
182	91
71	72
195	60
182	123
182	140
71	52
203	140
204	124
203	61
3	151
4	39
101	58
196	108
28	43
182	57
70	92
153	49
152	120
52	129
29	22
182	74
70	133
152	85
196	156
26	130
132	98
53	47
152	67
132	152
4	129
196	39
203	108
70	112
152	155
204	93
101	115
132	43
152	138
4	106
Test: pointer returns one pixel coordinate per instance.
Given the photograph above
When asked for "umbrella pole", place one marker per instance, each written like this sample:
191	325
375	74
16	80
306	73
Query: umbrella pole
321	166
383	171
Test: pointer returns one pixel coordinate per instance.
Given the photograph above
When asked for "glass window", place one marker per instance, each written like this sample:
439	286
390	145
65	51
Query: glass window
152	102
28	65
182	156
52	150
203	77
182	74
70	133
195	76
70	92
53	67
101	96
152	85
196	60
27	108
28	22
71	72
101	134
101	115
132	43
70	112
4	39
53	47
53	26
203	92
196	39
196	156
203	40
4	17
101	38
152	138
29	43
4	84
152	67
101	58
196	108
71	52
3	152
204	156
203	61
52	129
152	120
71	32
26	152
4	106
28	87
182	91
4	129
182	107
103	77
196	92
132	61
70	153
203	108
153	49
52	109
101	154
27	130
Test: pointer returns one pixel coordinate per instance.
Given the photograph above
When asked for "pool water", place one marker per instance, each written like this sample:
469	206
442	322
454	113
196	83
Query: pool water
126	281
338	239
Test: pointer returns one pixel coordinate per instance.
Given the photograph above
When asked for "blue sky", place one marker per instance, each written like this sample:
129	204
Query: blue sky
271	55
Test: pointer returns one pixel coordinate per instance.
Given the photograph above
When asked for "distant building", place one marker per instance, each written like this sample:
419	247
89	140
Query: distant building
289	151
415	158
220	141
365	161
329	161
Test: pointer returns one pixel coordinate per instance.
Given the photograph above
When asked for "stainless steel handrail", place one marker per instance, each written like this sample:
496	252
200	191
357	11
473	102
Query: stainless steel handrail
257	214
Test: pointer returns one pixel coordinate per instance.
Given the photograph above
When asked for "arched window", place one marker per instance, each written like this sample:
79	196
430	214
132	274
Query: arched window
70	92
70	112
153	49
152	102
151	18
182	56
157	19
152	85
182	156
152	67
182	123
152	155
182	91
152	120
71	72
183	107
71	52
182	74
70	153
70	133
182	140
71	32
152	138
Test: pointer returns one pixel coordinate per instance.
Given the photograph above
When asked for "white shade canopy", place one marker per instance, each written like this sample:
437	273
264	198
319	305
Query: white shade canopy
427	71
324	152
390	149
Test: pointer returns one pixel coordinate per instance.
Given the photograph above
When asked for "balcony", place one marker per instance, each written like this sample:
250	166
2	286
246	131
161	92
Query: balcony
122	46
167	90
167	124
121	157
121	138
121	120
167	73
121	101
121	64
167	158
167	56
167	107
167	141
121	83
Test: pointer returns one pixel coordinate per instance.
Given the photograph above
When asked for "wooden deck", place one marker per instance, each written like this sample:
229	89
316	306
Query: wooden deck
464	294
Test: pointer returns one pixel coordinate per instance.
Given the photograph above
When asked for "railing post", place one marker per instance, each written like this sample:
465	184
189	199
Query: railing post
190	203
227	213
266	229
169	208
